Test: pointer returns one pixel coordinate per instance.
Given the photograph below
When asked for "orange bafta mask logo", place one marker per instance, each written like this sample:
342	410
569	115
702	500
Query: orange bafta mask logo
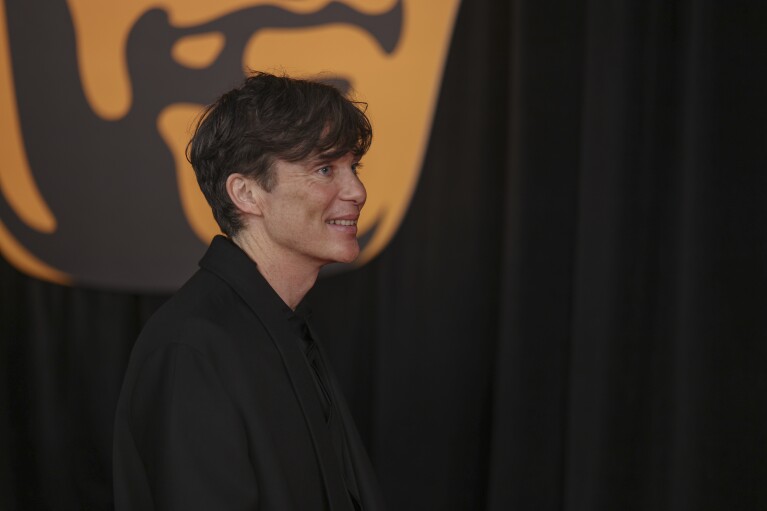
97	104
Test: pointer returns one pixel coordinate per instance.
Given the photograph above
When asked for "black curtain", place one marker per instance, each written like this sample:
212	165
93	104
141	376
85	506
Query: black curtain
573	315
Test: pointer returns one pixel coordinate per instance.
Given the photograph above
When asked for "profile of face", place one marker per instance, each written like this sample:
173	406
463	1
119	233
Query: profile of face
310	215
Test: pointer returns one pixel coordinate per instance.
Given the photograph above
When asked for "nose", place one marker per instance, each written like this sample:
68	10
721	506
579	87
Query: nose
353	189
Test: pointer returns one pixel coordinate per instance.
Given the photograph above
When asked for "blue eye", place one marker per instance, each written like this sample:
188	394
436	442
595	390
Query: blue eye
325	171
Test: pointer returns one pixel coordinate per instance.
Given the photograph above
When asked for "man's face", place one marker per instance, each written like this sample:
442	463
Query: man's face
310	215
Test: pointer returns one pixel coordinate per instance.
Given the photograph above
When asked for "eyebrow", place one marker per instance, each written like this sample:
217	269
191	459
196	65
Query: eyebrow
328	157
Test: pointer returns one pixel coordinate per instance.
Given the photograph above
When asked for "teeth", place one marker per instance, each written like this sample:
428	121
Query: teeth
342	222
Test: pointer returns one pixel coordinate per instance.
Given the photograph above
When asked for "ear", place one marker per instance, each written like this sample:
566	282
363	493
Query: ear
245	194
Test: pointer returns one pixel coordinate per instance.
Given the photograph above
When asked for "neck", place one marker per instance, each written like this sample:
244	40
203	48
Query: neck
290	278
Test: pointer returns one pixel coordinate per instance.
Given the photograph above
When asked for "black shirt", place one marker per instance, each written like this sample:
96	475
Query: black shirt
310	348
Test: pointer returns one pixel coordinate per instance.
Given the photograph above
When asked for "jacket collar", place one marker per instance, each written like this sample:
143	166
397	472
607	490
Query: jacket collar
229	263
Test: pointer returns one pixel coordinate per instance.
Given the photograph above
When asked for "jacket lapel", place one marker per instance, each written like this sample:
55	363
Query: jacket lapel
234	267
367	484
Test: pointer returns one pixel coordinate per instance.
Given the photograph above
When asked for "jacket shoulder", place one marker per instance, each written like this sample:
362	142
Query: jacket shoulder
206	315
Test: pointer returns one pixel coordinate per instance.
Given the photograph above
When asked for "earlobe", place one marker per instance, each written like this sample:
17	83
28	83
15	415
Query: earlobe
244	193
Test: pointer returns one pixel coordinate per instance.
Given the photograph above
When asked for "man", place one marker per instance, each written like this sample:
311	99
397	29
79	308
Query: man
227	402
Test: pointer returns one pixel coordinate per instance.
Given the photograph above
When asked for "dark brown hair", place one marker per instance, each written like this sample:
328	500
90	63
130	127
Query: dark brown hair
271	117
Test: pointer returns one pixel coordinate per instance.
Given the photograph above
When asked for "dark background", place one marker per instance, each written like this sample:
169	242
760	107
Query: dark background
573	315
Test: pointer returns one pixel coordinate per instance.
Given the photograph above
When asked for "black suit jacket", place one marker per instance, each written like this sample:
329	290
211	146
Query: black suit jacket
219	411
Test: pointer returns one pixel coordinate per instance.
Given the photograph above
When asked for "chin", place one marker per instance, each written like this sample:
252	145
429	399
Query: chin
347	259
347	256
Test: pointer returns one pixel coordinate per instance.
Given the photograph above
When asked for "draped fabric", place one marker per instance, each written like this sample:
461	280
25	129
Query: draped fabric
573	315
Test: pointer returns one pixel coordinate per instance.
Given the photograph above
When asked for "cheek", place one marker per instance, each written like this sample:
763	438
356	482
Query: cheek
306	207
318	202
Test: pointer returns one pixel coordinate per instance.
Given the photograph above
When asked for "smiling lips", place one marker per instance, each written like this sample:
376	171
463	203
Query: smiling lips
342	222
346	225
